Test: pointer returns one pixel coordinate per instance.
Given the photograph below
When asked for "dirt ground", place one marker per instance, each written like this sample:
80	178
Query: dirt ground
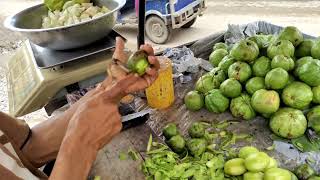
304	14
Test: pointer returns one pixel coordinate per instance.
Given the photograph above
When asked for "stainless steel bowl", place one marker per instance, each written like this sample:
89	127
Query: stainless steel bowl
28	22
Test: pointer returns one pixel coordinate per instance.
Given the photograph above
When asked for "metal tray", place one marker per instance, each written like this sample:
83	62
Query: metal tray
48	58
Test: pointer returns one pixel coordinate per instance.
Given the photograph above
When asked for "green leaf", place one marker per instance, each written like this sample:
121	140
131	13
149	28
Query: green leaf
133	154
303	144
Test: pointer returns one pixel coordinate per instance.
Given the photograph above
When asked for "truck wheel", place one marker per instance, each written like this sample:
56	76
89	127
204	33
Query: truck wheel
157	31
190	23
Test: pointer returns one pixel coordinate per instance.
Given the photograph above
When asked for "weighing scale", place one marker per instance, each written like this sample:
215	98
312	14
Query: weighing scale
38	77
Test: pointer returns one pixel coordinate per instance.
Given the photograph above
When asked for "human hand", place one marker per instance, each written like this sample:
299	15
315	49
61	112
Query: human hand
117	73
97	120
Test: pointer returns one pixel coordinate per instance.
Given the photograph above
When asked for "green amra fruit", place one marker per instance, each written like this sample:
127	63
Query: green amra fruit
138	62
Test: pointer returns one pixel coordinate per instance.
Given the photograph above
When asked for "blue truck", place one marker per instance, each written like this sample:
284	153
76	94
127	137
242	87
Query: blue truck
162	16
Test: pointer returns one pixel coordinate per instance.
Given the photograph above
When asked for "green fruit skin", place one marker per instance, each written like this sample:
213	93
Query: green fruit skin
220	45
314	178
316	94
288	123
241	107
235	167
257	162
315	50
194	101
177	143
244	152
196	130
280	47
283	62
265	102
272	163
297	95
226	63
310	73
216	102
253	176
277	174
313	117
138	66
216	56
218	74
291	34
206	83
196	147
170	130
245	50
293	176
261	66
304	171
301	62
276	79
231	88
254	84
240	71
55	4
304	49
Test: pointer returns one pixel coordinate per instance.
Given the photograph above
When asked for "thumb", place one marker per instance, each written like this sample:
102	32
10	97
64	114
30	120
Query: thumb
119	51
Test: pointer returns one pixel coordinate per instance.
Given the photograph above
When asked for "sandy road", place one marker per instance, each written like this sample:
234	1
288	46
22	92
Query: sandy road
304	14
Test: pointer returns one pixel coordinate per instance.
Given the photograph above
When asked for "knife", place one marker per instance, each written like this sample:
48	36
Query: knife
135	119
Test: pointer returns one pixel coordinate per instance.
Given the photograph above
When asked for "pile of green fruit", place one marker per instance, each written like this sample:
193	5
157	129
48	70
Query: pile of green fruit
254	165
276	76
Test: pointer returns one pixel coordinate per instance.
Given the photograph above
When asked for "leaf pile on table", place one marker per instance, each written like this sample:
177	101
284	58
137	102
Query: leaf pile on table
207	155
275	76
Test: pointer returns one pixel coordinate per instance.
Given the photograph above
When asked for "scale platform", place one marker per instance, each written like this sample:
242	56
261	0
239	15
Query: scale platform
37	76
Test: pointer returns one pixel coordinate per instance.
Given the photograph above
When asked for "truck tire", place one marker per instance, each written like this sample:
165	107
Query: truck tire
190	23
156	30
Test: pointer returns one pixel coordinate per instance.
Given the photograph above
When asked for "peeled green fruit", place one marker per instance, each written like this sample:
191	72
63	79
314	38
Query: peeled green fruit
206	83
316	94
196	130
235	167
53	5
218	74
284	62
240	71
291	34
220	45
265	102
276	79
310	73
257	162
315	50
231	88
194	100
245	50
297	95
288	123
216	56
261	66
241	107
314	118
272	163
254	84
244	152
226	63
177	143
304	49
301	62
277	174
253	176
280	47
138	62
216	102
170	130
